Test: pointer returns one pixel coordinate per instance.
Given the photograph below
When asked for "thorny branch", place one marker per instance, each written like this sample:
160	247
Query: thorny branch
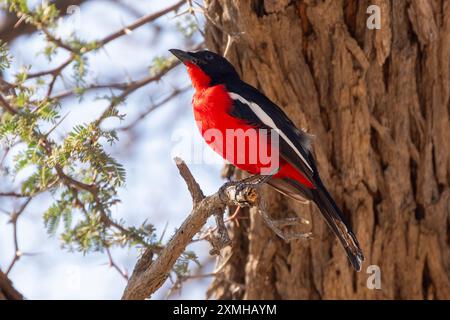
133	87
145	281
11	26
152	108
127	88
140	22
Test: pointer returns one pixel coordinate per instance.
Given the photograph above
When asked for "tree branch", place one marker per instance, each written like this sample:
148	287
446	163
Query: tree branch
145	281
7	291
9	30
140	22
152	108
7	106
193	186
17	252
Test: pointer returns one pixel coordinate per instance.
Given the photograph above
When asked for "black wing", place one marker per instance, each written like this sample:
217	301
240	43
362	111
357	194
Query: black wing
253	107
256	109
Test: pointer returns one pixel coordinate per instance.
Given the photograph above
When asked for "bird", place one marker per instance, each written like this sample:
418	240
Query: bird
224	103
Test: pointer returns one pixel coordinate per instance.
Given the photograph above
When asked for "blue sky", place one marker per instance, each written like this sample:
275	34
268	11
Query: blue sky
153	191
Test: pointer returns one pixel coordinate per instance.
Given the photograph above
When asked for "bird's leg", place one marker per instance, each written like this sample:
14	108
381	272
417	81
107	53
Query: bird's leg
291	221
275	225
244	194
286	236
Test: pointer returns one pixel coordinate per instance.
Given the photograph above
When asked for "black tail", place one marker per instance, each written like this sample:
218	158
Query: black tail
329	210
338	223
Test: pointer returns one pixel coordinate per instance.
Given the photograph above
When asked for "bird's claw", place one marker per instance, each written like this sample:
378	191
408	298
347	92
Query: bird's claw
276	226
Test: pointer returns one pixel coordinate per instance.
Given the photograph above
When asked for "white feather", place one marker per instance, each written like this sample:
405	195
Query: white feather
264	117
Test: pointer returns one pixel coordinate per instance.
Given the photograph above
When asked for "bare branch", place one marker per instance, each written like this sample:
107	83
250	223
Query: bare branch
231	36
10	29
130	9
114	265
152	108
140	22
133	87
144	282
70	92
193	186
54	72
14	217
59	42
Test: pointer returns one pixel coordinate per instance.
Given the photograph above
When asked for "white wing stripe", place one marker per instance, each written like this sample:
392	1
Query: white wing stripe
264	117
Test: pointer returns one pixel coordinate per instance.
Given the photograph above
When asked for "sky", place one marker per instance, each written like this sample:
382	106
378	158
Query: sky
154	190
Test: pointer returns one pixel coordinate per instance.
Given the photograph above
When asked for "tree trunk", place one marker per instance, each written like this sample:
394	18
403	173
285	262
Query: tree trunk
377	102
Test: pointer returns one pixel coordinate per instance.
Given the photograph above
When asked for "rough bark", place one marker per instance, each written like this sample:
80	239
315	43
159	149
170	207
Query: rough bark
378	103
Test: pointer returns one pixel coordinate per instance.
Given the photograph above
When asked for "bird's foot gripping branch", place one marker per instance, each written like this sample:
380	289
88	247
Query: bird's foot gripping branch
146	280
244	194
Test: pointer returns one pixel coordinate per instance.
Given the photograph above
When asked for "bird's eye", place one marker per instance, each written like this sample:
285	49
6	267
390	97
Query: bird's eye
209	56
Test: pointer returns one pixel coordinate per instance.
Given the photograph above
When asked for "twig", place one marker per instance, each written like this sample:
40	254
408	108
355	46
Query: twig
14	217
131	10
68	93
152	108
230	40
60	43
7	106
54	72
114	265
140	22
193	187
133	87
231	36
13	194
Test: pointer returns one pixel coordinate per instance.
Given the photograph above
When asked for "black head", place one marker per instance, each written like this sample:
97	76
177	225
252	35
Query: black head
219	69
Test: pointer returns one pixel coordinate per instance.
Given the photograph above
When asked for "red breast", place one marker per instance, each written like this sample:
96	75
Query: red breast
211	112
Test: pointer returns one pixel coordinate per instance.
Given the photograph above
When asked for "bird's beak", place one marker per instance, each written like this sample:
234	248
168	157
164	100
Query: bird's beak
184	56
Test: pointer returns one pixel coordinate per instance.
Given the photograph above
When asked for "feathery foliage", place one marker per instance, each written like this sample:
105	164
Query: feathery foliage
75	166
